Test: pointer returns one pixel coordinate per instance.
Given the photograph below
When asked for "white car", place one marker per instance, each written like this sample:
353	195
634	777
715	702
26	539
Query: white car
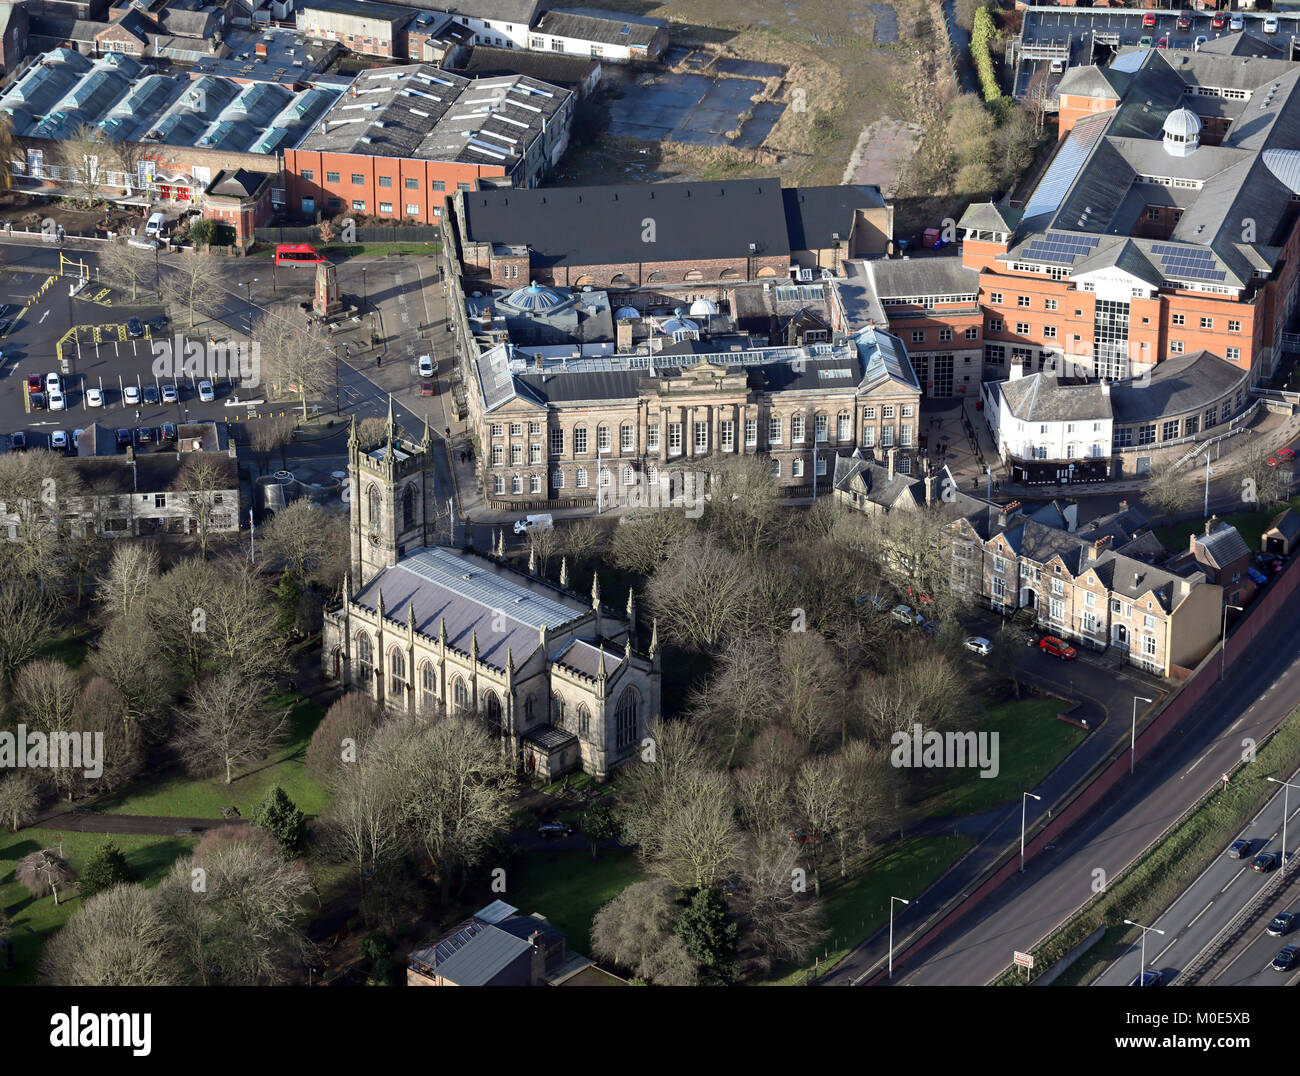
53	383
169	394
57	402
977	644
131	394
1057	66
1201	39
59	440
426	365
205	392
76	438
1237	22
94	398
1270	25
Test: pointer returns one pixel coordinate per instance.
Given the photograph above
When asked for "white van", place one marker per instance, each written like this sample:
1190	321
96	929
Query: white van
154	226
534	523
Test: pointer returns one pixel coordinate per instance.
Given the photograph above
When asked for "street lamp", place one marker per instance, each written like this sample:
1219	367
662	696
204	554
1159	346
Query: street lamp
1286	802
248	296
365	301
1133	737
1223	640
1024	802
1143	970
891	931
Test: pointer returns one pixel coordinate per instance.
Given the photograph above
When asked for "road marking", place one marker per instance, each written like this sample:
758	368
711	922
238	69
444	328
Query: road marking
1201	913
43	317
1198	762
1166	948
1233	879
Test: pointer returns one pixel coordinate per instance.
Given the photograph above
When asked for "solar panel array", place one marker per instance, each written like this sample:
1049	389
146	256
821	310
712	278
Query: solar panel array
1188	263
447	946
1065	166
1063	248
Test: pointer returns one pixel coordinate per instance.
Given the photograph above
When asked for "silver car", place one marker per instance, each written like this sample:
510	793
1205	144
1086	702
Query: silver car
977	644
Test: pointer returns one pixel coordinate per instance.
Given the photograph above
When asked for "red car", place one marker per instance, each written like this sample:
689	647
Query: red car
1149	19
1163	43
426	388
1050	644
1280	456
1219	22
1184	20
34	383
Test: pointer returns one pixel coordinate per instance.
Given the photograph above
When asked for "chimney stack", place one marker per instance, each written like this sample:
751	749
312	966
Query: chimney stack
929	488
889	456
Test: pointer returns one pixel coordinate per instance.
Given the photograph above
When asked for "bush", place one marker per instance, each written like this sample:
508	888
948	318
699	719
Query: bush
279	817
105	869
374	946
981	37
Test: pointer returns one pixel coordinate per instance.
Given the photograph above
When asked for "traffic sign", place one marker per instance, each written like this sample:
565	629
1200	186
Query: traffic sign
1024	960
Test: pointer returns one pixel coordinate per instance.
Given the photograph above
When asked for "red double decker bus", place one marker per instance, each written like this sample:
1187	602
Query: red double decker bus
297	254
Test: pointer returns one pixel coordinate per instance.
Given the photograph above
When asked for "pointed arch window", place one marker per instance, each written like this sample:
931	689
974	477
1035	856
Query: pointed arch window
372	506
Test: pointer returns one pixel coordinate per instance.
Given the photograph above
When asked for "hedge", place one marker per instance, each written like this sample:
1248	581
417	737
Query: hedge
982	33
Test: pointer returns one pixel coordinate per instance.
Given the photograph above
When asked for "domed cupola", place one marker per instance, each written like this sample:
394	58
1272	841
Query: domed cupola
1182	132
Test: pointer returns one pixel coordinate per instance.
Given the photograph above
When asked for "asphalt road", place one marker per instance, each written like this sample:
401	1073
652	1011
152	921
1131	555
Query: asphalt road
1250	966
1210	903
1027	908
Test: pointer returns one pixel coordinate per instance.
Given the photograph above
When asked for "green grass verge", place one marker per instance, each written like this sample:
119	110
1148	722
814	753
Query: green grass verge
1031	744
204	797
569	887
1250	525
855	909
1152	885
34	920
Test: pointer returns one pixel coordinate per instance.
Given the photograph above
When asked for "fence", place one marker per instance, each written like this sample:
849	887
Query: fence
370	233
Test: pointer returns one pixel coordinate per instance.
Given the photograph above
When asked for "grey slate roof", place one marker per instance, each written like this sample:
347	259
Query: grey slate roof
603	29
603	225
880	488
1287	524
926	275
1098	82
813	215
1221	547
990	217
434	580
1179	383
553	67
482	957
520	11
1041	397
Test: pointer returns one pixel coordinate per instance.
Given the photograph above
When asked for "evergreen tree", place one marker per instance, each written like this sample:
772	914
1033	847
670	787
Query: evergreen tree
279	817
710	937
105	869
287	595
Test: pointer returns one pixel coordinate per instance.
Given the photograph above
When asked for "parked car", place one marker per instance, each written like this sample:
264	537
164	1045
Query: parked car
1218	21
1239	849
134	328
131	394
1256	576
1149	978
1145	41
1201	39
18	441
1270	25
123	438
1286	958
169	394
1237	22
205	392
1149	19
554	829
1184	20
1264	862
1057	66
1282	455
59	440
34	383
94	398
426	388
426	365
145	435
37	400
53	383
150	394
57	402
1050	644
903	614
977	644
1163	43
1282	924
76	439
167	432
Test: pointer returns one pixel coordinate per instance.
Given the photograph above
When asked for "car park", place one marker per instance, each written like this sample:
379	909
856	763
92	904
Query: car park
1286	958
206	395
1282	924
150	394
977	644
57	402
1239	849
1264	862
1050	644
131	394
1148	978
18	443
167	433
1270	25
123	438
59	440
169	394
1237	22
134	328
94	398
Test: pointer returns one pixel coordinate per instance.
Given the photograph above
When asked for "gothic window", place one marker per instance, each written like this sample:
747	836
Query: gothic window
397	672
584	721
625	718
429	685
493	708
460	695
408	508
365	658
372	506
557	711
528	711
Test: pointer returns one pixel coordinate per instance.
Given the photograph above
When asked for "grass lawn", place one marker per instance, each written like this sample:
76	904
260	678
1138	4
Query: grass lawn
32	921
203	797
1250	525
855	909
569	887
1031	743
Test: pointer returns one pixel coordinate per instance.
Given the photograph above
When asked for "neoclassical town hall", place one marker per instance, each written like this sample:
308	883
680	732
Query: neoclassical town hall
428	628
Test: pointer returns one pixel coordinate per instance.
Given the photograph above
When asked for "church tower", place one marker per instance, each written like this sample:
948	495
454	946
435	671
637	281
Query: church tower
392	506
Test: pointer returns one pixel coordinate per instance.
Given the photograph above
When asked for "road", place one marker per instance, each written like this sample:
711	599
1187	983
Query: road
1027	908
1211	902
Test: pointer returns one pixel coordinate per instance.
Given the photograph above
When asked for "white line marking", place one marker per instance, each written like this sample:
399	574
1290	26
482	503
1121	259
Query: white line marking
1201	913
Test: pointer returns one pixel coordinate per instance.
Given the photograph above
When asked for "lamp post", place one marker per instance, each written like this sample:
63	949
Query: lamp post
365	295
1286	804
891	931
1133	736
1223	639
1143	970
248	298
1024	802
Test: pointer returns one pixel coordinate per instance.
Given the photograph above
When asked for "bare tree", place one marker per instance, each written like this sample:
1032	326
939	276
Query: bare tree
36	489
293	357
19	799
738	700
45	697
809	686
704	595
1169	490
28	620
227	725
1264	486
192	283
124	264
85	155
581	541
300	536
781	924
698	841
646	538
202	478
821	800
763	801
744	506
268	435
180	603
240	626
99	712
118	938
646	786
132	572
635	931
129	655
364	823
543	546
342	735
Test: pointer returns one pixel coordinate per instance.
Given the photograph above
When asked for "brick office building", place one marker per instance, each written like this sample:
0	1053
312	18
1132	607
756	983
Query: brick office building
401	139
